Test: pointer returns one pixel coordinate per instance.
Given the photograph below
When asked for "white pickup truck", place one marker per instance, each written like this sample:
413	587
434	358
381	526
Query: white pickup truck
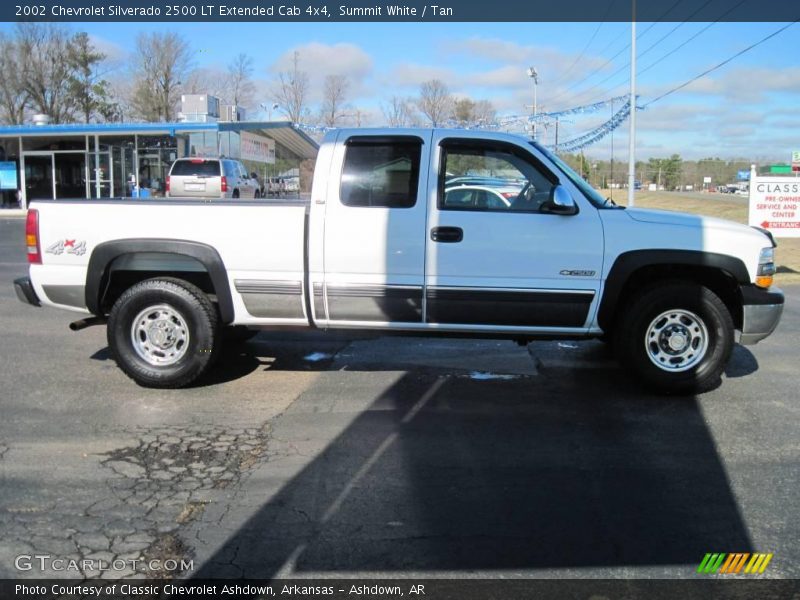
422	232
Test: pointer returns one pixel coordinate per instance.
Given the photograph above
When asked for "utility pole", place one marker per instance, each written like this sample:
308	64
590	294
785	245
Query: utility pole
556	145
612	154
534	75
632	141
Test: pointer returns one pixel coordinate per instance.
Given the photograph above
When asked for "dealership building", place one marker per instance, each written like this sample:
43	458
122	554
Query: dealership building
133	159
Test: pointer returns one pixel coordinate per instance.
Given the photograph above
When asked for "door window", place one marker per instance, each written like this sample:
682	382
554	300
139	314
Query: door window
381	173
491	176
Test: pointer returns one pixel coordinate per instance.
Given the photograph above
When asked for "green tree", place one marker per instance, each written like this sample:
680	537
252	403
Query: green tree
90	93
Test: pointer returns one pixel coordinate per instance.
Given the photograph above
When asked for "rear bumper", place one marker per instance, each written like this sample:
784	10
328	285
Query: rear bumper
761	313
25	292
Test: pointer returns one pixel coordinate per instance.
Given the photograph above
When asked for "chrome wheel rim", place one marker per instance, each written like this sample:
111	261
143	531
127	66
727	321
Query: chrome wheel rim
160	335
676	340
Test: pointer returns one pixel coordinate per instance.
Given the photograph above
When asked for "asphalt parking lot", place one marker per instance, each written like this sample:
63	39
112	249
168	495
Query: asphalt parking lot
390	457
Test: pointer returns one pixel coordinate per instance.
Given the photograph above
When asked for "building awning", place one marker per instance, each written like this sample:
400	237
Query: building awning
283	132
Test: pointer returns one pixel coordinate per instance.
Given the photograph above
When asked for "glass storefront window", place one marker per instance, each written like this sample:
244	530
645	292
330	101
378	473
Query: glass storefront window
54	143
156	155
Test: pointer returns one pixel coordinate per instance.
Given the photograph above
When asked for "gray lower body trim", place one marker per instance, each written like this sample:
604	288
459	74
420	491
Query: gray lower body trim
759	321
382	303
515	308
319	302
68	295
272	299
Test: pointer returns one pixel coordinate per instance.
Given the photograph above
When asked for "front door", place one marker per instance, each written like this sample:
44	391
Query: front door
70	172
39	181
495	257
100	175
374	226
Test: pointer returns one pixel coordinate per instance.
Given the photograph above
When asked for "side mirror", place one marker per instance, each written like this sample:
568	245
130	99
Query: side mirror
253	175
560	202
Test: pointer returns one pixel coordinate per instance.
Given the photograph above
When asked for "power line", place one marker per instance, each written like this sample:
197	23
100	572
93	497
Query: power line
703	30
722	64
586	47
656	43
623	49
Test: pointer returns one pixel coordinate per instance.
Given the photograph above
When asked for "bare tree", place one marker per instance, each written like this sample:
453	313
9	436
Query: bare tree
240	84
161	63
291	91
13	96
334	93
484	112
398	111
435	101
205	80
44	56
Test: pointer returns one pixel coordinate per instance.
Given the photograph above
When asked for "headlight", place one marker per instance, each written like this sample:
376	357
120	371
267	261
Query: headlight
766	267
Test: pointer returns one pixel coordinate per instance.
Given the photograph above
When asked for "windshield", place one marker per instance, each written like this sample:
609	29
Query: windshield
591	194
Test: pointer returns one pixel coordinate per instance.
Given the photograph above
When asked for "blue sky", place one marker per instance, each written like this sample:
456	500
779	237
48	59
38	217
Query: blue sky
747	109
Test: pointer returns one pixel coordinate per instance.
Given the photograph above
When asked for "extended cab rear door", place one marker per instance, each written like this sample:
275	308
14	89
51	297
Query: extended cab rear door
374	228
495	258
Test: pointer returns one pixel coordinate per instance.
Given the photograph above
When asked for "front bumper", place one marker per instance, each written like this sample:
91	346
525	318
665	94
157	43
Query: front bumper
25	292
761	312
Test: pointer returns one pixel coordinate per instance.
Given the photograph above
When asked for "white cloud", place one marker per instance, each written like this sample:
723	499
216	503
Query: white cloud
327	59
412	75
113	51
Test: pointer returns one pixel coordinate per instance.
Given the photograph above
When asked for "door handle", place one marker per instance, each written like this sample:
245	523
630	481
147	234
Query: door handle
447	235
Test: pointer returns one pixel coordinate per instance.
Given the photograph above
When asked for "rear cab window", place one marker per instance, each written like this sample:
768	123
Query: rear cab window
195	167
381	172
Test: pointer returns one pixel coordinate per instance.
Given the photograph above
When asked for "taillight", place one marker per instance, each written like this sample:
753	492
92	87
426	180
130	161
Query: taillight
224	184
166	184
32	237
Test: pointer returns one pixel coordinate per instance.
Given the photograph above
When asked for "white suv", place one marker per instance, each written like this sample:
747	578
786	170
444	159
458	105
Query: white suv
211	178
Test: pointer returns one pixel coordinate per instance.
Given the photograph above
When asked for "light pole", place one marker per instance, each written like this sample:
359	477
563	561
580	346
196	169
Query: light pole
632	100
269	108
534	75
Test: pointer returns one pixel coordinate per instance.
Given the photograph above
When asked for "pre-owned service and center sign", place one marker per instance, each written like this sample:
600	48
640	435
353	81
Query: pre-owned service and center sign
775	204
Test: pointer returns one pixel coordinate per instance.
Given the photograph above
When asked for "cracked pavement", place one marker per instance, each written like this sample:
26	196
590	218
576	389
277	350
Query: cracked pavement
307	455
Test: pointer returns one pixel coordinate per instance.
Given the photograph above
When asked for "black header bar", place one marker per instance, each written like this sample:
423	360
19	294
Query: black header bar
432	11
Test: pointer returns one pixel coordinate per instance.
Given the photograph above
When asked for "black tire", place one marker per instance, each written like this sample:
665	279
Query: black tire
182	307
235	194
256	195
689	312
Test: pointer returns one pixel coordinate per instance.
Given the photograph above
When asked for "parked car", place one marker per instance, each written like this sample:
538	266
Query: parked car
473	196
379	249
211	178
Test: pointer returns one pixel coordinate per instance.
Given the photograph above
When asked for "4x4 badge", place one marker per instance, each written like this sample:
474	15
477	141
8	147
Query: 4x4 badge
68	247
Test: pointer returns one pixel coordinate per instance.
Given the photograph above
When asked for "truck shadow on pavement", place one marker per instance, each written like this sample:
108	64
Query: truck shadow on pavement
438	472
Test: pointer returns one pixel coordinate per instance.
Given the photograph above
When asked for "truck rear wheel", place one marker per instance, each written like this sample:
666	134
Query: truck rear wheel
163	333
678	338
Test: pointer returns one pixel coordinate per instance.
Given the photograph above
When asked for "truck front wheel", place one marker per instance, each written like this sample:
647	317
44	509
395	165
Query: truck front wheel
163	333
677	337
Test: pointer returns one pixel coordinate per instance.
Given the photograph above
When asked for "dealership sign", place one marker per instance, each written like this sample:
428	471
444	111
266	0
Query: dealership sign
775	205
257	148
